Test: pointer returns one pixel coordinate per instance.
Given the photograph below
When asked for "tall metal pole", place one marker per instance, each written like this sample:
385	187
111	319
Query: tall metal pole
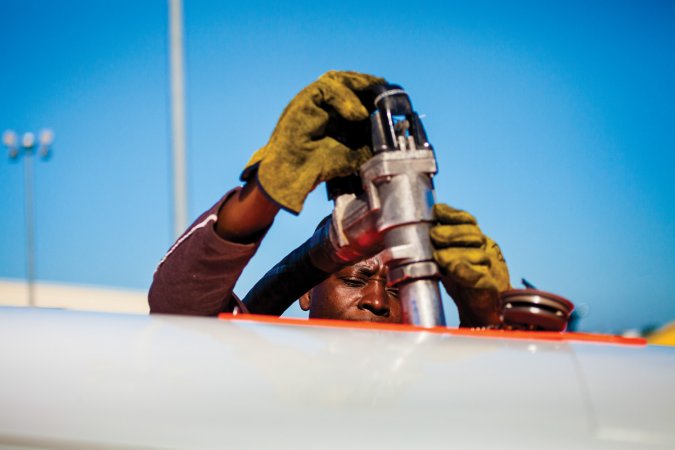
26	148
178	115
28	210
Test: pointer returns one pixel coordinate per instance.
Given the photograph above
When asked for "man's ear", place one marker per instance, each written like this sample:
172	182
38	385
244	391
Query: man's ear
306	300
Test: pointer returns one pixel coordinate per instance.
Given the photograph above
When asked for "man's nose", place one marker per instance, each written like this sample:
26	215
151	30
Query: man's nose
376	299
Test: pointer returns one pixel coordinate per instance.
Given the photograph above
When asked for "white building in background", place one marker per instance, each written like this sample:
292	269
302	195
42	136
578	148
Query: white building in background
72	296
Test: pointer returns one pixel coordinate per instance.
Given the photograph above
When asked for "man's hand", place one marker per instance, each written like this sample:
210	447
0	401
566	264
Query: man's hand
302	151
474	270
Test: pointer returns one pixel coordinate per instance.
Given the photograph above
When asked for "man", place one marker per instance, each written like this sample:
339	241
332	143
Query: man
198	273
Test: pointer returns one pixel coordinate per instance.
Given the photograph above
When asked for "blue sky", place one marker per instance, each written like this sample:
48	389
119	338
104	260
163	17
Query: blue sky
554	123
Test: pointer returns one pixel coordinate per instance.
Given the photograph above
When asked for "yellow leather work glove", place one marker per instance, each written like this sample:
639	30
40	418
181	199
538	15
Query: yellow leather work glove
473	267
303	150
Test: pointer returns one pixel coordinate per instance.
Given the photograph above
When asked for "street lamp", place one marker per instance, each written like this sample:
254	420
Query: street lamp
26	148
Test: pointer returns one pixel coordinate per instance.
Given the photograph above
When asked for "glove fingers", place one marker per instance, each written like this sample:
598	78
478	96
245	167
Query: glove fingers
448	258
448	215
457	236
338	160
302	119
342	99
353	80
467	267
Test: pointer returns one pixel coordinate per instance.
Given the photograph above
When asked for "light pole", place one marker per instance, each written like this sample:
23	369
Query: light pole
26	148
178	133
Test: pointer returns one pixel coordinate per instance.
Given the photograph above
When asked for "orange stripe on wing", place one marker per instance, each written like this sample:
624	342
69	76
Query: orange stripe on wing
503	334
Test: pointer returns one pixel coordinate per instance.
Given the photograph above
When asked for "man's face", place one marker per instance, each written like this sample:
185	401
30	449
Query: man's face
357	292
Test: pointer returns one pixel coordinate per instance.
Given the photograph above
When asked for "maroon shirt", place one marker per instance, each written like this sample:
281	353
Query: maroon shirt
198	273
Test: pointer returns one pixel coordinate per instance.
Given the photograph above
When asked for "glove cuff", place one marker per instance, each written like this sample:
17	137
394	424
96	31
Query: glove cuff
251	174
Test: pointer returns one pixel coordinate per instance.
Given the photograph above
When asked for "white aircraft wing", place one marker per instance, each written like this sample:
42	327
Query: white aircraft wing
113	381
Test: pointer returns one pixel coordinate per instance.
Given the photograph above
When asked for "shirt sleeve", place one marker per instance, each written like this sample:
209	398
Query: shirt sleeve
198	273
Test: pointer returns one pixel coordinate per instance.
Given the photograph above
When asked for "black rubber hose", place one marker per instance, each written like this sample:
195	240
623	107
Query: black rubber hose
301	270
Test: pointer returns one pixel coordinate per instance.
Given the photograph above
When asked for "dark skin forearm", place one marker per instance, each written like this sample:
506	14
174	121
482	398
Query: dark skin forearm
246	215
